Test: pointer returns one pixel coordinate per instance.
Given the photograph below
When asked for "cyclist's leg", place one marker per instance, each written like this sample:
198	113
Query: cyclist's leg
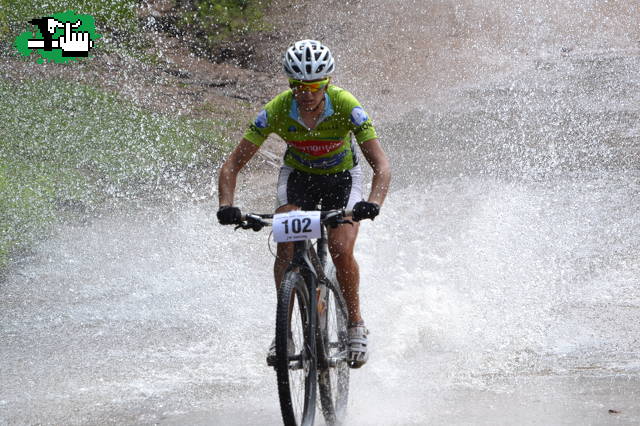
346	191
293	193
341	244
284	252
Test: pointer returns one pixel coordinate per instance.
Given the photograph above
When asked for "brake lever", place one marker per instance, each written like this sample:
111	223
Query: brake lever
255	226
252	223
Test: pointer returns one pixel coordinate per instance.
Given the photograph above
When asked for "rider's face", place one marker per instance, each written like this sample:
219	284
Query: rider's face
307	99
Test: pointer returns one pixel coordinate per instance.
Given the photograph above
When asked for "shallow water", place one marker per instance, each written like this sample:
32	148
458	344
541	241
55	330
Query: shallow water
500	283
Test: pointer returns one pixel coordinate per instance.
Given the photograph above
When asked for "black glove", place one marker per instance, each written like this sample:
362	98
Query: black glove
229	215
365	210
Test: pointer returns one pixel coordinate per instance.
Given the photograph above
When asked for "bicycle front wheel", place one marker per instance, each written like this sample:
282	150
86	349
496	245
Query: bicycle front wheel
333	371
295	352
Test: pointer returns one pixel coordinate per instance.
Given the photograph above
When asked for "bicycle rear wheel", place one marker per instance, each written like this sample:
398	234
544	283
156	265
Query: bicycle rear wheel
333	371
295	352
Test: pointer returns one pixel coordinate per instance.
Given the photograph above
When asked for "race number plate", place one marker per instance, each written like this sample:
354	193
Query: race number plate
297	225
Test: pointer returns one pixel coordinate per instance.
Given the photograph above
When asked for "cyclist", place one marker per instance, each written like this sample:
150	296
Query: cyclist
316	119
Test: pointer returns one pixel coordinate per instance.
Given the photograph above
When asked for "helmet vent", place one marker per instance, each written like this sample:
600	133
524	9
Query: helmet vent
308	60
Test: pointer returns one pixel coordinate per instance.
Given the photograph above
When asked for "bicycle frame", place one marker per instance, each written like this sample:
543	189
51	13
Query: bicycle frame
310	261
322	299
310	264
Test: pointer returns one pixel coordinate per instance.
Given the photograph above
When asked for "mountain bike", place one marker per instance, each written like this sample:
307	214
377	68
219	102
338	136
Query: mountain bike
311	319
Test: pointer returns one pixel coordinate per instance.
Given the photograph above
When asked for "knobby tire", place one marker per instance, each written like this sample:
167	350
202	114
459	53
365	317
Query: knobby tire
333	381
296	378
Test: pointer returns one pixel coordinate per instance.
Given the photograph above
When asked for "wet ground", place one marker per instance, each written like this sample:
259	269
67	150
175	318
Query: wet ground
500	282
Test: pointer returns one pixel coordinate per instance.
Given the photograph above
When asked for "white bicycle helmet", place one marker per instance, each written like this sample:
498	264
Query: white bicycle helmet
308	60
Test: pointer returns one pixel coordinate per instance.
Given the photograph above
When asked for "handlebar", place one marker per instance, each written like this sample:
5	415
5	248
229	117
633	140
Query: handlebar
256	221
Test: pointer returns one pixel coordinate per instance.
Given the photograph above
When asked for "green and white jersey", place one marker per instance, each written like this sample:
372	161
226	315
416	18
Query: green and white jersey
326	149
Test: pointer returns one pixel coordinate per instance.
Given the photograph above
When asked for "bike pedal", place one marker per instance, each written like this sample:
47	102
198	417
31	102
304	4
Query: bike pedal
271	361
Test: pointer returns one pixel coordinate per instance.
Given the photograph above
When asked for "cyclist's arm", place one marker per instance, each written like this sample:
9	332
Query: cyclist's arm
376	157
229	170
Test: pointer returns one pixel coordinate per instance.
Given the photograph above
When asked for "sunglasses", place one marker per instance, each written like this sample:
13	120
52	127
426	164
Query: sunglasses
305	86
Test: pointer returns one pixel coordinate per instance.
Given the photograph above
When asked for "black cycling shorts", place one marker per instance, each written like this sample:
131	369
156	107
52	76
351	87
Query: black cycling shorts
307	191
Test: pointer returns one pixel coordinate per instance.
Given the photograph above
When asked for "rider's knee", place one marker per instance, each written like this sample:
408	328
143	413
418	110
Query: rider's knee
342	257
284	252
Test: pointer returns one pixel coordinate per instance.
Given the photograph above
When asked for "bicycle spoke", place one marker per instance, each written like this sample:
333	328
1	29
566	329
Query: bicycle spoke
334	380
295	368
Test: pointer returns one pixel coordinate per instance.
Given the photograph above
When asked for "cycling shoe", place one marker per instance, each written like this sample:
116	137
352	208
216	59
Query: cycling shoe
358	353
271	353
